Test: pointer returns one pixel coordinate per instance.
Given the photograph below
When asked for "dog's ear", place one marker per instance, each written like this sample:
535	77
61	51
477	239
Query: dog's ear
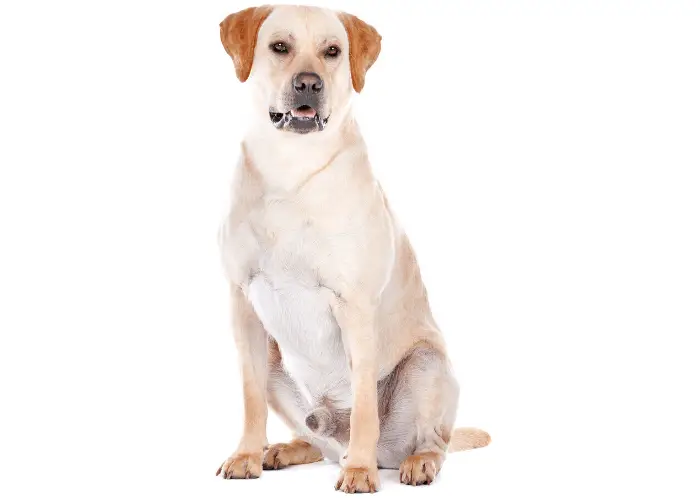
239	33
365	44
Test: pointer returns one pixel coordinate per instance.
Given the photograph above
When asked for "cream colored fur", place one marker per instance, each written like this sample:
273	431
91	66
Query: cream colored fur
330	314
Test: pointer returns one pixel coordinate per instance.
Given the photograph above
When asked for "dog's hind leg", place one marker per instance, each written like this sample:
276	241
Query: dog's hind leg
418	402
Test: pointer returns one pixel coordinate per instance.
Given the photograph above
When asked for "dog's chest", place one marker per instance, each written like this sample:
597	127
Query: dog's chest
290	299
298	317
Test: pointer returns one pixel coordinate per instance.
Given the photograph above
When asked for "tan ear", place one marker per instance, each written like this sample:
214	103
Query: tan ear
365	44
239	33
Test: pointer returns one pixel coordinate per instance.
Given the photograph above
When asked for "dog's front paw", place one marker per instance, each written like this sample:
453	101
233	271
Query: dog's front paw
358	480
242	466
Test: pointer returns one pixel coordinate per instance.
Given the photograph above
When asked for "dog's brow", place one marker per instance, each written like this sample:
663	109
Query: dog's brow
328	40
283	35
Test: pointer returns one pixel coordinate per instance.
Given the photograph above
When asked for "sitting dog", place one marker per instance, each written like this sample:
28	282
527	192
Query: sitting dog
330	315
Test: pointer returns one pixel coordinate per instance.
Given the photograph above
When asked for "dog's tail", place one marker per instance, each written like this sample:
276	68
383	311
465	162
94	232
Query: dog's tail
468	438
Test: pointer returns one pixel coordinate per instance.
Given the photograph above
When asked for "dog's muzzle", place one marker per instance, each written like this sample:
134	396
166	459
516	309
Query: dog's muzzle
305	100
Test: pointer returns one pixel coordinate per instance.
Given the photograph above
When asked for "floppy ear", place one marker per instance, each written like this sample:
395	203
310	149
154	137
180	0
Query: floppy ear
239	33
365	44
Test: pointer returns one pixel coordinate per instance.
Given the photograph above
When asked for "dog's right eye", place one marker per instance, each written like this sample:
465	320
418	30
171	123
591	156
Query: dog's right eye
279	47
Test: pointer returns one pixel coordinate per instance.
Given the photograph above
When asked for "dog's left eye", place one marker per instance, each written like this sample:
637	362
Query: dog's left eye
279	47
332	51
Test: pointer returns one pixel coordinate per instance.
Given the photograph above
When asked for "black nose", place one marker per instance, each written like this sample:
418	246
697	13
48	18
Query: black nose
307	83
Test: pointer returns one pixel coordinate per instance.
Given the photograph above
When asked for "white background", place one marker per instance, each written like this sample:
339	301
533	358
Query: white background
557	142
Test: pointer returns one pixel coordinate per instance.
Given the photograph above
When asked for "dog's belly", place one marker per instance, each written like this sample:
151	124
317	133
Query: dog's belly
297	314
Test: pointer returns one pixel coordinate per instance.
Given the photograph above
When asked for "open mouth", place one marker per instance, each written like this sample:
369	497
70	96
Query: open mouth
301	119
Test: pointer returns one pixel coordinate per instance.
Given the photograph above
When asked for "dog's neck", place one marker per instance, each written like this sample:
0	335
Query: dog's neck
286	160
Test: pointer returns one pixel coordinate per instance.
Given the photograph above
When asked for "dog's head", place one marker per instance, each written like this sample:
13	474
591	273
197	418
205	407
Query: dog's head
303	61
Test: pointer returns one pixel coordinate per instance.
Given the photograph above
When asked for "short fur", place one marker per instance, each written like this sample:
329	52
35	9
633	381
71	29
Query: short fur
239	33
330	315
365	44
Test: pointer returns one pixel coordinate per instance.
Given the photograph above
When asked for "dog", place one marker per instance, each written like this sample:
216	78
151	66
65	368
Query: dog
330	315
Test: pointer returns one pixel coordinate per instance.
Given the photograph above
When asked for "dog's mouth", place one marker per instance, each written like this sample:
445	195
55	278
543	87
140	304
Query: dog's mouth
302	120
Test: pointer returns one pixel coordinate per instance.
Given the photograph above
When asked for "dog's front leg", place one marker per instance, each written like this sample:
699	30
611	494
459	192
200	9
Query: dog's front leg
357	324
251	342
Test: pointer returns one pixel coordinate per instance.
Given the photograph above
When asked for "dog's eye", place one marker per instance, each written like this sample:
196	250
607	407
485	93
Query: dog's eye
279	47
332	51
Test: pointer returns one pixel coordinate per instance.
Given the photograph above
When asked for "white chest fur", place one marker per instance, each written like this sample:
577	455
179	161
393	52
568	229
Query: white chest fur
299	318
280	249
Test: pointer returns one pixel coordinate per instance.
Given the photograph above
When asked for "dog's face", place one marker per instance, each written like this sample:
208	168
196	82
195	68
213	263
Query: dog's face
303	61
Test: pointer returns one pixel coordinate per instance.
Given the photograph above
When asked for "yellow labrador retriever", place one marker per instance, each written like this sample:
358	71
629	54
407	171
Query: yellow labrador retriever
330	315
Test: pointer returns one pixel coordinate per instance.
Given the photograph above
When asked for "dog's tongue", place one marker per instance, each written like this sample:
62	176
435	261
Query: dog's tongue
304	112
